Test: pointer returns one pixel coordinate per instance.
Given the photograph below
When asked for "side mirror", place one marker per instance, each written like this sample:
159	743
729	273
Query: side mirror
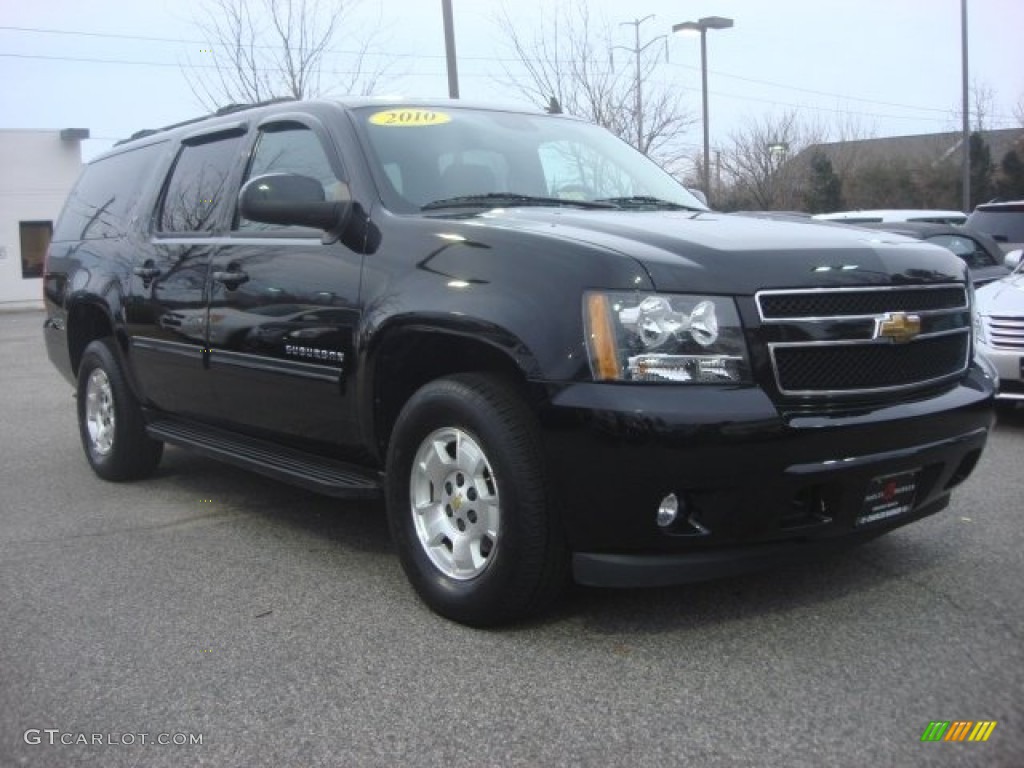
698	193
1013	258
292	200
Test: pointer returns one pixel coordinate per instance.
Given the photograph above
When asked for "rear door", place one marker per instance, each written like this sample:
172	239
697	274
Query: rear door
284	305
169	335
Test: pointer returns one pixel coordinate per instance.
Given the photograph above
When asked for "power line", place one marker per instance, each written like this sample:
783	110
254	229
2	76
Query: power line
811	90
494	59
136	63
189	41
1006	119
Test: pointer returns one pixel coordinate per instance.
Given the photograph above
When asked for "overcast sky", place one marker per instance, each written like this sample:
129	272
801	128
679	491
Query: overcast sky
892	67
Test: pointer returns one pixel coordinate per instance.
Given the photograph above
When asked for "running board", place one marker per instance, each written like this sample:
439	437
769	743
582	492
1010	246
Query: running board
315	473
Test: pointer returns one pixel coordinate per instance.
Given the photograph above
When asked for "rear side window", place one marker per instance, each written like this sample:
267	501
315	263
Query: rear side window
199	183
103	201
1005	223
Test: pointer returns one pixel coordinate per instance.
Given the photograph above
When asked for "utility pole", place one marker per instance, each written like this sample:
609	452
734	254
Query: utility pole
965	139
449	49
637	50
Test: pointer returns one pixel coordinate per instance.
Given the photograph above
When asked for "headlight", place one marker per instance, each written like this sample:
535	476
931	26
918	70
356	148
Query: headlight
664	337
977	322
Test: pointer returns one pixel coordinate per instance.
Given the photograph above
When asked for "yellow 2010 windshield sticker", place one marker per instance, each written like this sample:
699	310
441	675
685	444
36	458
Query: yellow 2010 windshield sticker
410	117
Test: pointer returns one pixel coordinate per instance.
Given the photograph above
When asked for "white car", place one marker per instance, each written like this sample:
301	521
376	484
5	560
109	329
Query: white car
893	214
1001	335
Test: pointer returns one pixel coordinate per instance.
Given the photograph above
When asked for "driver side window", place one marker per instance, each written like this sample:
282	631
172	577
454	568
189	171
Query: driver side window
292	148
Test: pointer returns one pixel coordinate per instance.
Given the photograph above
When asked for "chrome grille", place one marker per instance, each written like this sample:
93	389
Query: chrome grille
827	342
858	302
1005	332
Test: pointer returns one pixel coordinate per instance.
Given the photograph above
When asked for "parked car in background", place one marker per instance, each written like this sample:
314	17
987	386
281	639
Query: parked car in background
1001	332
980	252
1003	221
891	214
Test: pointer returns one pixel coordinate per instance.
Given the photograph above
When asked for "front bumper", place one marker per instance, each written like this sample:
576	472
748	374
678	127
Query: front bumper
1009	364
757	484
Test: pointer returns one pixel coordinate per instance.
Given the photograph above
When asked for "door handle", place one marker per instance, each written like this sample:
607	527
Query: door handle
147	273
231	279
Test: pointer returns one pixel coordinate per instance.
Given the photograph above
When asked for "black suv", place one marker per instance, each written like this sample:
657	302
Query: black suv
544	353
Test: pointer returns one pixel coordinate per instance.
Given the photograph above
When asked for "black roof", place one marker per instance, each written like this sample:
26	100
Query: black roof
346	103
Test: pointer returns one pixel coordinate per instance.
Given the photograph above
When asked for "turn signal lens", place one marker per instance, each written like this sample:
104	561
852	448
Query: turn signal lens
605	357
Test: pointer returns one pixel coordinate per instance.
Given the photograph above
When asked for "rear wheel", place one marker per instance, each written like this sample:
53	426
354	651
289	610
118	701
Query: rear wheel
110	419
468	503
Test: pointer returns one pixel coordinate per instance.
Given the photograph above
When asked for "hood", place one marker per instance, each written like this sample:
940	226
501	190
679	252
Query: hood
725	253
1003	297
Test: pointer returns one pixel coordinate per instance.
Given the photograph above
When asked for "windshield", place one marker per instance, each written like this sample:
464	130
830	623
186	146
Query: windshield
434	157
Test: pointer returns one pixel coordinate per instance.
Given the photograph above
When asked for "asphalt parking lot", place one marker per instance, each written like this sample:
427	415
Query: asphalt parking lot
276	627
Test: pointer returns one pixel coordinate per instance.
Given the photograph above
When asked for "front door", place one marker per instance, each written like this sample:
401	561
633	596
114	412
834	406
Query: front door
284	307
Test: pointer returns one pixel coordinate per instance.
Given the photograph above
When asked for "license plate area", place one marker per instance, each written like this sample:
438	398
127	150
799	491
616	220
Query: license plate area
888	496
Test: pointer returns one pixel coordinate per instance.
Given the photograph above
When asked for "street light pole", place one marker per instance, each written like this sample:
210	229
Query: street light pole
965	140
704	110
449	49
702	26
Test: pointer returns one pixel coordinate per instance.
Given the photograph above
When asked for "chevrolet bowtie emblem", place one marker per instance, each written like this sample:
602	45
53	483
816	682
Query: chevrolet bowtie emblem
898	327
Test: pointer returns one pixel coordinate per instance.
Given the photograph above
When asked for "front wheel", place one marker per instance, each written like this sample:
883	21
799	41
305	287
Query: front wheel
110	420
468	503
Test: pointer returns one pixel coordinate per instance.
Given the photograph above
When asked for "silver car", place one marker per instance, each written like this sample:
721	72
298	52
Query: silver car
1001	332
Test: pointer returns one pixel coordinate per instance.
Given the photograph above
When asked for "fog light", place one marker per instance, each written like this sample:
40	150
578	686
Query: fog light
668	510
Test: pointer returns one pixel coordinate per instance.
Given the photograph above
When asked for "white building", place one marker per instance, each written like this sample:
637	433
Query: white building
37	170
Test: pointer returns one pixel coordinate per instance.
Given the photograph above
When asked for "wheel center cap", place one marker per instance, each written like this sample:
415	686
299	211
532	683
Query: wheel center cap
457	502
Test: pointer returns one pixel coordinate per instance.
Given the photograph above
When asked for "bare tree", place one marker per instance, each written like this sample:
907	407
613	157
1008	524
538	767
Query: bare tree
983	97
567	55
263	49
758	166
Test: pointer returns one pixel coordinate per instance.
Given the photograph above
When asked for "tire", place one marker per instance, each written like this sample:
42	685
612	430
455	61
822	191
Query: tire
468	504
110	419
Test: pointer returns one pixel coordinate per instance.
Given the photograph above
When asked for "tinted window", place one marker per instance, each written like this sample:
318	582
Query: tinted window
104	199
292	148
939	219
966	248
1006	225
199	182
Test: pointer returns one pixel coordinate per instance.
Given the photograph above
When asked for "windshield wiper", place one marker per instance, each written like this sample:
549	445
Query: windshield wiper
512	198
646	201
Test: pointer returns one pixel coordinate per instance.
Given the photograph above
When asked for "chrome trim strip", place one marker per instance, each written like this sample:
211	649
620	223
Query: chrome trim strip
275	365
877	341
871	316
852	289
170	347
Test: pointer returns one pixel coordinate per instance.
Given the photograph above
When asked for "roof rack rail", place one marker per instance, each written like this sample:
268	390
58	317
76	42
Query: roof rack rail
232	108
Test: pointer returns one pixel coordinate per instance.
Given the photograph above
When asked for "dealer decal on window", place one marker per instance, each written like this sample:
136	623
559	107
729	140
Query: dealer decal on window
409	117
